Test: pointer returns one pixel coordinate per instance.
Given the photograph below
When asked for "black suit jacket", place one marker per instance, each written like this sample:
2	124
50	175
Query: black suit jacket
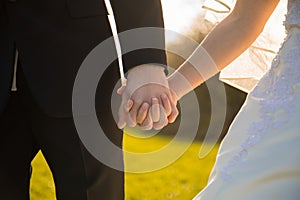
53	38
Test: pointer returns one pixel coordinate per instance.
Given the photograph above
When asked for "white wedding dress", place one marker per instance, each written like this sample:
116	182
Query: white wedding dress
259	159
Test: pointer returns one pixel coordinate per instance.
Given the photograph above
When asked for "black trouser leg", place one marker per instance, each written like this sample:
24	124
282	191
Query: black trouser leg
17	149
77	174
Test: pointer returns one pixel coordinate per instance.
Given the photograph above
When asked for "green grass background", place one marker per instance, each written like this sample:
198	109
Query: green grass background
181	180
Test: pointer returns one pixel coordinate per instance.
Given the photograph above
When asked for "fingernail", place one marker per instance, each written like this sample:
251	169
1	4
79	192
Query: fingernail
163	96
129	103
155	100
121	126
145	106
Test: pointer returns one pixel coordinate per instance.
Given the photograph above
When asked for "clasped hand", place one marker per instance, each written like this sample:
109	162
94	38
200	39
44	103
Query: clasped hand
147	100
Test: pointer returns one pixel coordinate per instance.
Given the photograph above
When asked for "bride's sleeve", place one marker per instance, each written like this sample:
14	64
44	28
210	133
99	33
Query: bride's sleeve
248	68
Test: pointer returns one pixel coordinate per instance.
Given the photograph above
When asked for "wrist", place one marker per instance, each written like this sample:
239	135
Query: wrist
148	69
174	90
179	85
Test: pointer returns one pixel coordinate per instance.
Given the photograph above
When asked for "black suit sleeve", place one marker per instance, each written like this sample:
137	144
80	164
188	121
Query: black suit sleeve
132	14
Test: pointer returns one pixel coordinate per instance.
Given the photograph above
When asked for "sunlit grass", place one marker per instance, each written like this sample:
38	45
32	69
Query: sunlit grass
182	180
42	186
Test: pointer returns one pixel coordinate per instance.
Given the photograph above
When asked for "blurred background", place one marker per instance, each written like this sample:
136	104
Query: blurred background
188	17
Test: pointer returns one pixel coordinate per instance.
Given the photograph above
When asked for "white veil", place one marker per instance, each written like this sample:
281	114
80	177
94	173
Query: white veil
247	69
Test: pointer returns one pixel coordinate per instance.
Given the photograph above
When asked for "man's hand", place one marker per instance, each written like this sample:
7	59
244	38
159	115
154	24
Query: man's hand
145	99
168	103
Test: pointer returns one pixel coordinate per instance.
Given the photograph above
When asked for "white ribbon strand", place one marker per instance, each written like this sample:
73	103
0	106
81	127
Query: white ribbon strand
113	26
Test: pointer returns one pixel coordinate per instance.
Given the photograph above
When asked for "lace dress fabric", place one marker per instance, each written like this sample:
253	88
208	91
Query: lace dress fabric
260	156
275	92
293	16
